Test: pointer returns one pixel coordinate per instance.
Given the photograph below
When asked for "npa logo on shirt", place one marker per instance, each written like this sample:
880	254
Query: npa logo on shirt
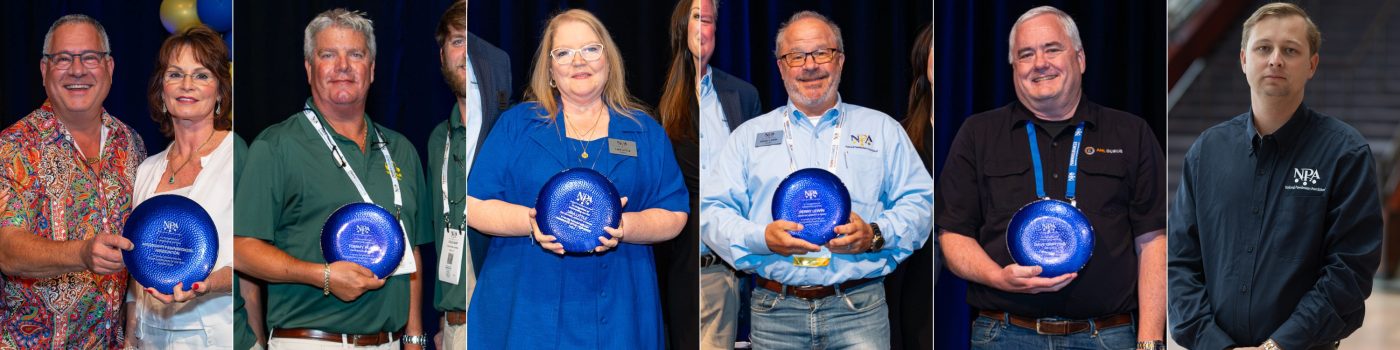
863	141
1305	179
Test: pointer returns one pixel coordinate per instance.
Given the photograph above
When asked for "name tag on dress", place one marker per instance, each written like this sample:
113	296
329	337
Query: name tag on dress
622	147
769	138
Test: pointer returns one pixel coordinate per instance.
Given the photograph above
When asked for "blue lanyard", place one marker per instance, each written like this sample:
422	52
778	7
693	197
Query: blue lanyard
1073	162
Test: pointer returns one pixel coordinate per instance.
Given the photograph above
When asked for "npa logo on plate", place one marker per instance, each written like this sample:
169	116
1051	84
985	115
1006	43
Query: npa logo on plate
1304	179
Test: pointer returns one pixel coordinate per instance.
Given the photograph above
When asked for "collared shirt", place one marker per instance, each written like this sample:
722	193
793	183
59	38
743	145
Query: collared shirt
1274	236
213	190
473	126
876	161
48	190
714	128
448	296
291	184
988	176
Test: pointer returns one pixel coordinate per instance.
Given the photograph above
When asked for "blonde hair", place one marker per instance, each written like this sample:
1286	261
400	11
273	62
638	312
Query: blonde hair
615	94
1282	9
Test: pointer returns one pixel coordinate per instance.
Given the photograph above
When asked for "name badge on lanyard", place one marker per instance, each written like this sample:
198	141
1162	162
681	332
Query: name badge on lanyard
453	239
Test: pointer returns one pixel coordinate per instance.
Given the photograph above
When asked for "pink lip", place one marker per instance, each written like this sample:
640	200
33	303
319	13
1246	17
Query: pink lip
581	75
191	99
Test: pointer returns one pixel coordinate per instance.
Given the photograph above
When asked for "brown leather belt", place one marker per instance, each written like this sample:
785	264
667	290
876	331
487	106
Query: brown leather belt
808	292
456	318
1061	327
353	339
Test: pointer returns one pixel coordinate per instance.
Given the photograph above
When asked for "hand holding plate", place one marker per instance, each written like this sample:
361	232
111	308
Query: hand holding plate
783	243
853	238
103	253
1023	279
350	280
616	233
546	241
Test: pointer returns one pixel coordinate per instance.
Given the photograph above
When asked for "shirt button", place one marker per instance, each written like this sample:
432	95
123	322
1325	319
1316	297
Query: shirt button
1249	249
1055	175
1254	209
1054	144
1244	289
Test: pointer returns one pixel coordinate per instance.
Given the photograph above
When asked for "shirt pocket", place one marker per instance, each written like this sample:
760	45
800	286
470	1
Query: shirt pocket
1009	184
1103	187
866	173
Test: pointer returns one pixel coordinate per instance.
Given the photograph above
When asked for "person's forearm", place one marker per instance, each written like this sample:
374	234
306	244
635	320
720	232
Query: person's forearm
498	218
220	281
26	255
652	225
264	261
415	297
1152	285
966	258
252	304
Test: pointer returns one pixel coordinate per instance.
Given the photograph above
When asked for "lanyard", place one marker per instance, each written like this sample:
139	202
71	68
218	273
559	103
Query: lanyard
446	213
349	171
1073	162
835	141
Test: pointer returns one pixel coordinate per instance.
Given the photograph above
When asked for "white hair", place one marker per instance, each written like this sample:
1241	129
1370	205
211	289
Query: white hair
835	30
1065	21
339	17
76	18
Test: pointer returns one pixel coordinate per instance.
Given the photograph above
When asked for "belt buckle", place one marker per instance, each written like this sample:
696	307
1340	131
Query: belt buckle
1037	327
1039	322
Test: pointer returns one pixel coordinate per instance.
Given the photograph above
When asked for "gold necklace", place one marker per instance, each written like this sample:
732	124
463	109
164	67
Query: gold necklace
581	136
188	159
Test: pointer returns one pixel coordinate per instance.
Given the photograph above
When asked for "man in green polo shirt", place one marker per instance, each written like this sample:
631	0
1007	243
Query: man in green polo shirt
301	170
480	86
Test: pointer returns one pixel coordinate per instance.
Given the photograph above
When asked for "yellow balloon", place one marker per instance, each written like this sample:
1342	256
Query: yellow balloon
178	15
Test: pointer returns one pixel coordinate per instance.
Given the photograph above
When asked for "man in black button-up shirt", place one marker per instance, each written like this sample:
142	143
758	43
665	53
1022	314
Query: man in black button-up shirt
989	175
1276	228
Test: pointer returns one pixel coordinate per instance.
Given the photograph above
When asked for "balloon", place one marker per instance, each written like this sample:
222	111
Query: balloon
217	14
178	15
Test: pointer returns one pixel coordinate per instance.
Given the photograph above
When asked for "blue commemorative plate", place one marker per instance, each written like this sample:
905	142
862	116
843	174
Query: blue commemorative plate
815	198
174	242
1051	234
575	205
365	234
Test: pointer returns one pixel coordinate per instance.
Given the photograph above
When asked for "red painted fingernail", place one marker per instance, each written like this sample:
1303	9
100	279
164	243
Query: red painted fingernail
196	285
148	291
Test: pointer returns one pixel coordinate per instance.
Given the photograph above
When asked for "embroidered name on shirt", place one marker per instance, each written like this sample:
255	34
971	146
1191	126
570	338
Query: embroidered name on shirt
1089	150
1305	179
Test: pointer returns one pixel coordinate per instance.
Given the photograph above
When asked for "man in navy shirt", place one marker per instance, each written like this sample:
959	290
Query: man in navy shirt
1276	228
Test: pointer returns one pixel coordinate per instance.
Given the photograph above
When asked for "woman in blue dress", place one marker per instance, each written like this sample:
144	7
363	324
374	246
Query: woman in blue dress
530	294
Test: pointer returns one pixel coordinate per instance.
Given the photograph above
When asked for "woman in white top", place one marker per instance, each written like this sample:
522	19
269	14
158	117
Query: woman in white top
190	97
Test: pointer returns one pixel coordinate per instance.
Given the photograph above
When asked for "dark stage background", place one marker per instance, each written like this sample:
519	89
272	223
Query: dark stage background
1125	47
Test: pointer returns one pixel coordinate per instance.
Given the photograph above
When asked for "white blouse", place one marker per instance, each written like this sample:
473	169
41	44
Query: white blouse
213	190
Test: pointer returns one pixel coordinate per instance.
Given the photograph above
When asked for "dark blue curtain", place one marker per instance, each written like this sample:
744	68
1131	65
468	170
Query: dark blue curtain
135	33
878	37
408	94
1125	44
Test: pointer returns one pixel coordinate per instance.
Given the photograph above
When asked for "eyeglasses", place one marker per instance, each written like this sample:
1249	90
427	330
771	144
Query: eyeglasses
64	60
590	53
200	78
797	59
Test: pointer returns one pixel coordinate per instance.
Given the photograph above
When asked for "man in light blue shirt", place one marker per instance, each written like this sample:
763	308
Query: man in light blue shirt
891	196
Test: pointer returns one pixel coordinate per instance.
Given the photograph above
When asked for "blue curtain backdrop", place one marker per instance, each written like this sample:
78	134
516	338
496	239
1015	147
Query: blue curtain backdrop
135	33
408	94
1125	43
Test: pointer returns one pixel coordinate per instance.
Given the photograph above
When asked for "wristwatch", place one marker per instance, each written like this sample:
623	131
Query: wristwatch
878	241
1270	345
420	340
1151	345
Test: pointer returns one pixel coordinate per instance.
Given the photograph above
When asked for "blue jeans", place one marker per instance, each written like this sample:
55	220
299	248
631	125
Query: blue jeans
853	319
995	334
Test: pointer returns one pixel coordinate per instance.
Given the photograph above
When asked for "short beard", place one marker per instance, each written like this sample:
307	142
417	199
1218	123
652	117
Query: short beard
801	100
459	85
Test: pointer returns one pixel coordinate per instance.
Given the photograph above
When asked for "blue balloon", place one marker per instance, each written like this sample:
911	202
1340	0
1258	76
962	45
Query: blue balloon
217	14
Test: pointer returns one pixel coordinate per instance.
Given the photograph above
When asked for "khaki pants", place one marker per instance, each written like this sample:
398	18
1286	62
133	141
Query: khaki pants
719	306
312	344
454	337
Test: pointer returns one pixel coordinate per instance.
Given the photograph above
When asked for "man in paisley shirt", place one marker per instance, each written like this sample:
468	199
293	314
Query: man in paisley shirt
66	172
